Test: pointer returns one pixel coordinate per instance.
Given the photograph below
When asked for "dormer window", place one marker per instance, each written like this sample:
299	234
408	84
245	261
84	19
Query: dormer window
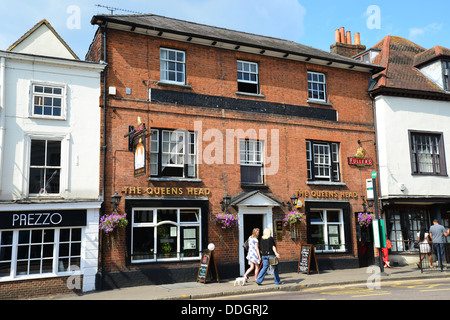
446	74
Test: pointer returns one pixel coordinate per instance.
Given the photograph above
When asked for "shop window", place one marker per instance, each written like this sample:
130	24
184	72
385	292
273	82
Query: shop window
427	153
252	163
317	86
39	251
173	153
327	230
45	167
161	234
47	101
247	76
403	227
322	161
173	66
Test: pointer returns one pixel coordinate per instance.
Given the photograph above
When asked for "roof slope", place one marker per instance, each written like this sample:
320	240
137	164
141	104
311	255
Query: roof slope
399	57
164	24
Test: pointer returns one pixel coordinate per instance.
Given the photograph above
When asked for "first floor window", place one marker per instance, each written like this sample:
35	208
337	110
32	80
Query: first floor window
327	230
322	161
45	167
39	251
427	156
173	153
161	234
252	163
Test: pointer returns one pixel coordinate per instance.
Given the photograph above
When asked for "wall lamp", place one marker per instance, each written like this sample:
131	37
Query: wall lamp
293	202
115	200
225	202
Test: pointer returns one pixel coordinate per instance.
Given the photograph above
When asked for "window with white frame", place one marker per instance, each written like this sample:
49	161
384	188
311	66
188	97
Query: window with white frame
247	75
427	153
327	230
317	89
165	234
173	153
45	167
322	161
173	66
252	162
48	100
34	252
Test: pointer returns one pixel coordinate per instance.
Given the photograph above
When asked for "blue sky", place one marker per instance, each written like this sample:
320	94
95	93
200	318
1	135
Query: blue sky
308	22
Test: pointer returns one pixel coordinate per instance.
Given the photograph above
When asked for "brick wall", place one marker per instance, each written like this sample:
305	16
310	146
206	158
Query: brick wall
133	62
25	289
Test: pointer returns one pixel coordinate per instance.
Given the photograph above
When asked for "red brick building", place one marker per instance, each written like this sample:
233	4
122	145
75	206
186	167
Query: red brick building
226	113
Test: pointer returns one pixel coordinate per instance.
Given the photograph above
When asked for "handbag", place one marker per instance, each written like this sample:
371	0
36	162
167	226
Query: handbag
245	245
273	261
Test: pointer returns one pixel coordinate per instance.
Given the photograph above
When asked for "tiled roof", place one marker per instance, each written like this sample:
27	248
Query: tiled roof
191	29
431	55
400	56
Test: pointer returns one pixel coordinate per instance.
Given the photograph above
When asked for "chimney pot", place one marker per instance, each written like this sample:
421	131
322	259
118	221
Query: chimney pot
357	38
342	32
337	36
349	37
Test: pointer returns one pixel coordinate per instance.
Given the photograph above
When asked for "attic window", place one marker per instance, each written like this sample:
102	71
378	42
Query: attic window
446	71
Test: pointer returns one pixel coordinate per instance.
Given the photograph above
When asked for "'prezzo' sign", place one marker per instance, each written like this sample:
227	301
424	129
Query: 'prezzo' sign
42	219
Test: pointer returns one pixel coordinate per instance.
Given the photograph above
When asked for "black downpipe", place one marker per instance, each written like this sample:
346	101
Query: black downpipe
104	149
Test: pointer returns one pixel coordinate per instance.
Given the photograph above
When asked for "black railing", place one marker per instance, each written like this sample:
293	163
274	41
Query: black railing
435	256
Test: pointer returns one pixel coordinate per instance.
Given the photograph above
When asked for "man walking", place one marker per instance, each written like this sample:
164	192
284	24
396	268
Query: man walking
437	233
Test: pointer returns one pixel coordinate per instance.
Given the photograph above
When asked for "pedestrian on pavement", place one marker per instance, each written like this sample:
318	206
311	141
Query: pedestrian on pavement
268	250
423	238
437	233
386	253
253	255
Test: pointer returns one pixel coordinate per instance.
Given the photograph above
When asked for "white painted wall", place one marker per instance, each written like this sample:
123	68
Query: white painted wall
395	116
434	72
80	130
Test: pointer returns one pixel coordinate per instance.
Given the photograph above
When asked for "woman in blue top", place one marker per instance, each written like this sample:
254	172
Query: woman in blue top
253	257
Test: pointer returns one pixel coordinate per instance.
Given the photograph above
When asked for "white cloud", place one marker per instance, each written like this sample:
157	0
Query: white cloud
414	33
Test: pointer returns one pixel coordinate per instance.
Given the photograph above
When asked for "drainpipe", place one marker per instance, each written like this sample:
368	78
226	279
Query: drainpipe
104	149
2	115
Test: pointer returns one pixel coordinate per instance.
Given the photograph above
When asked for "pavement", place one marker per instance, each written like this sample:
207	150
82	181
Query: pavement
292	282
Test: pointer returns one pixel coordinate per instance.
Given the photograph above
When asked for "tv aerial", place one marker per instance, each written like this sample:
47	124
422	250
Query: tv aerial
112	9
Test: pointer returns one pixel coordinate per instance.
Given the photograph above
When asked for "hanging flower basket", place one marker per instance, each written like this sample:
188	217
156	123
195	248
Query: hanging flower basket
226	220
110	222
292	218
365	219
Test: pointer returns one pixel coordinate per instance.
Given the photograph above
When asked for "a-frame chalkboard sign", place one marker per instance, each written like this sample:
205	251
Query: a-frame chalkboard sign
304	261
205	273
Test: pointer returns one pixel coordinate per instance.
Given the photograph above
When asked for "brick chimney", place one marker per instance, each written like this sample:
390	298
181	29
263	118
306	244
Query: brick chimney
343	43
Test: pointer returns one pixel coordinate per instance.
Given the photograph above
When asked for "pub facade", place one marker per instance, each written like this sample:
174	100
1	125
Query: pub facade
208	133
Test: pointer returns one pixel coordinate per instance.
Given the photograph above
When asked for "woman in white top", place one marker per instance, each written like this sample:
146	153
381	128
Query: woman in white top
425	247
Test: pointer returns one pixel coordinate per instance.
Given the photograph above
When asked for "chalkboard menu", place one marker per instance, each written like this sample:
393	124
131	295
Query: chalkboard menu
204	270
304	261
